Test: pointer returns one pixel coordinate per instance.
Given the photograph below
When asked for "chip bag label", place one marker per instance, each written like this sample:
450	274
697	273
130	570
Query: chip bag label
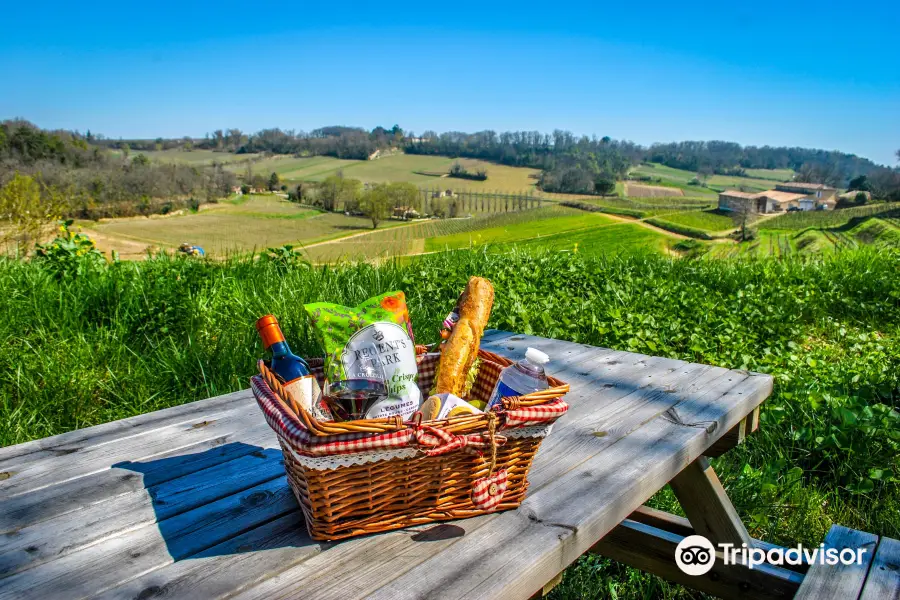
375	333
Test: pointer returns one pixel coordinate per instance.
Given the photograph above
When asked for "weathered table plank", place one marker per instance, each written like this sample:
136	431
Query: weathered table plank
71	441
883	582
559	522
839	582
619	444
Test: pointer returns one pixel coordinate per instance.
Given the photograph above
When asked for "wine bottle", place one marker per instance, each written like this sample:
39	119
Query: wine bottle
291	370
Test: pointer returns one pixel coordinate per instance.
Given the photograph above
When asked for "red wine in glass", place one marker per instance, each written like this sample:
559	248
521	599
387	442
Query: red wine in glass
351	399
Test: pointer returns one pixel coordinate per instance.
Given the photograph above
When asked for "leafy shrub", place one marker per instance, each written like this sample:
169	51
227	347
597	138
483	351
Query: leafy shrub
70	254
285	256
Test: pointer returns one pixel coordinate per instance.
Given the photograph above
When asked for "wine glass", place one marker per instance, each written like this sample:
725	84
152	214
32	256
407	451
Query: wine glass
364	383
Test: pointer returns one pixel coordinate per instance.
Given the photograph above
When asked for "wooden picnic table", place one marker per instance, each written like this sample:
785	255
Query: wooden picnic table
192	502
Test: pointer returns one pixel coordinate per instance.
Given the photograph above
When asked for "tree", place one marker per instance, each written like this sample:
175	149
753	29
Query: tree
26	210
274	181
885	184
604	187
337	191
860	183
259	182
375	203
245	189
740	215
403	195
126	149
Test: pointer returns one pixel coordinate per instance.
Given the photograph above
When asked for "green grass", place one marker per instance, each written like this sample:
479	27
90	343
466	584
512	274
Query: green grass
827	218
877	231
773	174
611	240
106	342
758	180
706	220
519	231
411	238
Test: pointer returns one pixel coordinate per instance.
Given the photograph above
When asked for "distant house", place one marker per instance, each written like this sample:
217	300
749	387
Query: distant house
785	196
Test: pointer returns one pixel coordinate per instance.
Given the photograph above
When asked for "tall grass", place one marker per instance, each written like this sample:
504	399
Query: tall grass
128	338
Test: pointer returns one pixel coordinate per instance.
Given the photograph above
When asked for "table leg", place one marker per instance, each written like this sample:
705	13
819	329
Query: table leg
707	506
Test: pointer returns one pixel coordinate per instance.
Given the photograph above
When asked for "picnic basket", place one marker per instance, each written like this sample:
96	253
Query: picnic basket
368	476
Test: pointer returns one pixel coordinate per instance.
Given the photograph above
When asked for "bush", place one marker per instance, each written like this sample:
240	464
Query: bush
605	187
70	254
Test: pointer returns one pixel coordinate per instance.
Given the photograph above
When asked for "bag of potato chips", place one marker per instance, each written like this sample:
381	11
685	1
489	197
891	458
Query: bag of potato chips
377	331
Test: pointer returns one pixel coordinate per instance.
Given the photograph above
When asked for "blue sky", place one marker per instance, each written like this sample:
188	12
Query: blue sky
822	74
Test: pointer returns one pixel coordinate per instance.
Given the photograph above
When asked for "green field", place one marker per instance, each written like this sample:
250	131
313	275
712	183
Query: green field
813	241
827	218
259	222
611	240
773	174
716	183
530	230
194	157
423	171
707	220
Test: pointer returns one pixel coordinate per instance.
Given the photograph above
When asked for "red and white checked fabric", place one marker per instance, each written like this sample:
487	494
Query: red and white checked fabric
534	415
488	491
292	430
440	442
433	441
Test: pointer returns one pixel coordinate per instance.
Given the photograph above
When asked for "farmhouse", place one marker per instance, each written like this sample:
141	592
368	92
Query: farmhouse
785	196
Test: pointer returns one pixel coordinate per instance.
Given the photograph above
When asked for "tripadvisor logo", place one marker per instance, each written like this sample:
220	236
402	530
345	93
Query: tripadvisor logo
696	555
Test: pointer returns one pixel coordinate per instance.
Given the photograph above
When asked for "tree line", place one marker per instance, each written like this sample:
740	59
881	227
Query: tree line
337	141
65	173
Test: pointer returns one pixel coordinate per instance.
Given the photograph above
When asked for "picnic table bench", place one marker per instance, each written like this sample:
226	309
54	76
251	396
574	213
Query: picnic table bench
192	501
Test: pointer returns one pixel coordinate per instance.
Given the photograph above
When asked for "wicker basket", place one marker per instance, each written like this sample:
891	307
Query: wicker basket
368	476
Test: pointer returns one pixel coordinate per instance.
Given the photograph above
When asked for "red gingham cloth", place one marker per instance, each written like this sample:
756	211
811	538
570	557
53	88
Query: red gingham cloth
432	440
487	492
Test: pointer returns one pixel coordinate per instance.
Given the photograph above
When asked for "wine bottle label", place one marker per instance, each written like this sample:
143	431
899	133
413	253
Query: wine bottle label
307	393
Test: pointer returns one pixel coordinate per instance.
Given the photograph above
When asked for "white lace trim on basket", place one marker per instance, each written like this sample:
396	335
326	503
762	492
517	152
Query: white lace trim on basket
329	463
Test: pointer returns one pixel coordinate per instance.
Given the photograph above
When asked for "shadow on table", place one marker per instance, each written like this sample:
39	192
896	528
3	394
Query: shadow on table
229	499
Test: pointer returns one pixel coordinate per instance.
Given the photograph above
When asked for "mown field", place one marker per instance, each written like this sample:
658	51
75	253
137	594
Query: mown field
758	180
423	171
194	157
95	342
238	226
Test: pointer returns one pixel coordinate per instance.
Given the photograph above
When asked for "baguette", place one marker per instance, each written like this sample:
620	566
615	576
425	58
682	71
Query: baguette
461	348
